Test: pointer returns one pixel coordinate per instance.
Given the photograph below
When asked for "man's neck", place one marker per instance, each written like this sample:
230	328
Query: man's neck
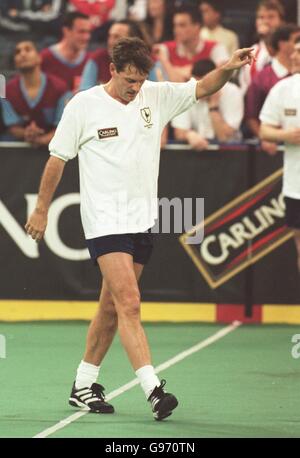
284	60
32	79
191	46
111	90
67	51
213	27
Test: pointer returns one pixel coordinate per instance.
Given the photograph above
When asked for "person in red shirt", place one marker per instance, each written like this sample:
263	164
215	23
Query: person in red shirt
98	10
96	69
177	57
34	100
67	58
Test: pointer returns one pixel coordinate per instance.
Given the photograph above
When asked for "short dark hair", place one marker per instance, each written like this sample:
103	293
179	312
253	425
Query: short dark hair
133	26
69	18
274	5
215	4
191	11
34	45
282	33
202	67
132	51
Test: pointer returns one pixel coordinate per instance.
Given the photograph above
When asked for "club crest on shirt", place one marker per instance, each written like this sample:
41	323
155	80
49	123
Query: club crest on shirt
290	112
146	115
108	132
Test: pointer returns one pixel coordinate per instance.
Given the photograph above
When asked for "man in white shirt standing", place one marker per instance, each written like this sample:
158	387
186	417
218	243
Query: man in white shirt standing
115	130
280	118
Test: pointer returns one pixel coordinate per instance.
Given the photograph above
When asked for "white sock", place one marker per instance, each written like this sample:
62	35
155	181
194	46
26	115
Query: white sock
148	379
87	374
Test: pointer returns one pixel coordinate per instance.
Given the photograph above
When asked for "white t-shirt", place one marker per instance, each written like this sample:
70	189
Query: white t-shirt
282	109
118	147
197	118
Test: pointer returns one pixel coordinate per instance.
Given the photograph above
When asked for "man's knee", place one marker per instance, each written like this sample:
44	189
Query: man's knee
128	301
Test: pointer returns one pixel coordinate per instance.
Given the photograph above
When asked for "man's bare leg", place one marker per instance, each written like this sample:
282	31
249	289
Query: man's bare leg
103	326
118	272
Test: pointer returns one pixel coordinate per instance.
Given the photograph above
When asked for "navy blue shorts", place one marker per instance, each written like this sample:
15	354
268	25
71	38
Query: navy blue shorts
139	245
292	212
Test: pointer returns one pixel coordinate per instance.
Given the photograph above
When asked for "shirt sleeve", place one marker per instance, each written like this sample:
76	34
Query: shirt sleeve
176	98
61	103
66	141
10	116
271	110
89	76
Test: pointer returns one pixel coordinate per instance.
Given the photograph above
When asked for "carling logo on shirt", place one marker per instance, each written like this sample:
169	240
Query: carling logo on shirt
108	132
290	112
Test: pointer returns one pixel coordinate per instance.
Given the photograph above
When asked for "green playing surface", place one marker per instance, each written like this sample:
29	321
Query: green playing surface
246	384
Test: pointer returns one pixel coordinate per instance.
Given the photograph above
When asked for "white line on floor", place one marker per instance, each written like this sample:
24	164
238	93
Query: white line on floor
205	343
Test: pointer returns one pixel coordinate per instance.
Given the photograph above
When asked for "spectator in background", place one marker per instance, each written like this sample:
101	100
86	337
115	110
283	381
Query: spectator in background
217	117
177	57
269	16
42	16
34	100
96	69
158	23
282	42
212	28
99	13
67	58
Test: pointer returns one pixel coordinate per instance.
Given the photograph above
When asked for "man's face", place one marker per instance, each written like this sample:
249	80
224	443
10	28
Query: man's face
26	56
296	59
267	21
156	8
116	32
127	82
210	16
287	47
78	36
184	29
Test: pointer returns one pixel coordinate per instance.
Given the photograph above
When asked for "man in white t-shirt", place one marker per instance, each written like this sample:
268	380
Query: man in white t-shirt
280	117
115	130
217	117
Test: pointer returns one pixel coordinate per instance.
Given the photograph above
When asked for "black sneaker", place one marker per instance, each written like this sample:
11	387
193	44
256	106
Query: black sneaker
162	403
92	397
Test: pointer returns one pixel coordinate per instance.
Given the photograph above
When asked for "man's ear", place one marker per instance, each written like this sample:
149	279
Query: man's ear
112	69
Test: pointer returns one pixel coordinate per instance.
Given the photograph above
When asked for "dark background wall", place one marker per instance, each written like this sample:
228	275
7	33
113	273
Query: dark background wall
218	176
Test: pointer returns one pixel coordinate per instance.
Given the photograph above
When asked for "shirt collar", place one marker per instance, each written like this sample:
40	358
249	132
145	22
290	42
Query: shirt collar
181	50
279	69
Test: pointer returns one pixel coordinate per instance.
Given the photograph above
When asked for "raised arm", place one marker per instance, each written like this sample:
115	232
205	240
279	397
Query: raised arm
37	222
215	80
